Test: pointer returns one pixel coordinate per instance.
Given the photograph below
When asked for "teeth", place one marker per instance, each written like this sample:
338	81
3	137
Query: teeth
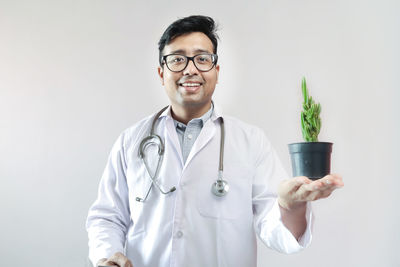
191	84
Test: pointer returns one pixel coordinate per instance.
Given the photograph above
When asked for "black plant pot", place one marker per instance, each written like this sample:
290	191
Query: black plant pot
311	159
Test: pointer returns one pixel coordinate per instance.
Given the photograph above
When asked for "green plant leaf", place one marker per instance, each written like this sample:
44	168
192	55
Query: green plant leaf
310	120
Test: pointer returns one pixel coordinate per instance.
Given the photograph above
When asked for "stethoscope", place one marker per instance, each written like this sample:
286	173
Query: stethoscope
219	188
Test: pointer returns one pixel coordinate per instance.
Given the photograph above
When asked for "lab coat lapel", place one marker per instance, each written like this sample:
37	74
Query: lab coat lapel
169	133
206	134
204	137
172	136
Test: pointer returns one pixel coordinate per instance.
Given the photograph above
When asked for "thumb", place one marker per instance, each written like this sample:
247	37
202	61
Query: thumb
120	260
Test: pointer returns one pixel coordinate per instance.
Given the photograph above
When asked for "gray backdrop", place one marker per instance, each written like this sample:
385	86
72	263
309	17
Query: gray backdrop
74	74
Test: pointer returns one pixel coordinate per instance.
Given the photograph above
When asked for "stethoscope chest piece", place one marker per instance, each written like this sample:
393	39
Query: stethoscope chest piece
220	188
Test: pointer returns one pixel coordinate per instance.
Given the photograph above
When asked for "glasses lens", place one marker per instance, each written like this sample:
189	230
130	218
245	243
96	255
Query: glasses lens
176	62
204	62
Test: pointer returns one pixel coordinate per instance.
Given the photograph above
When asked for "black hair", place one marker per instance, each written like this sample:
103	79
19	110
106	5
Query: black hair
186	25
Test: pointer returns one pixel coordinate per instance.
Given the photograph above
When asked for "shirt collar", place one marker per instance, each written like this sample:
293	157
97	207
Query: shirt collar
214	113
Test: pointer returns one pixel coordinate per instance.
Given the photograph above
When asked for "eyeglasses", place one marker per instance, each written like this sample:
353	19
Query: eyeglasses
177	63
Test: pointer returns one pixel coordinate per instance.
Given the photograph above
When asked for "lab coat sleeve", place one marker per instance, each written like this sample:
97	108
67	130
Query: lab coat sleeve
267	217
109	217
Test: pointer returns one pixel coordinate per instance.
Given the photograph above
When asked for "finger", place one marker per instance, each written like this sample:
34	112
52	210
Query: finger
314	195
294	190
287	188
312	190
303	192
326	193
295	183
336	176
329	190
120	260
334	180
327	182
320	193
107	263
315	185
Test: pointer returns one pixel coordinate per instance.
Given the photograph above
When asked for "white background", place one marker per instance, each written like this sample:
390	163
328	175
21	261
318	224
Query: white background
74	74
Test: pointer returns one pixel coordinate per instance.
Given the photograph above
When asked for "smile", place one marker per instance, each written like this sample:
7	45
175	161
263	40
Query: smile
190	84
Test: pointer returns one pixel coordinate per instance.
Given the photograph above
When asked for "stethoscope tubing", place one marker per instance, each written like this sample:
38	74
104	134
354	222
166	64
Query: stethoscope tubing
219	188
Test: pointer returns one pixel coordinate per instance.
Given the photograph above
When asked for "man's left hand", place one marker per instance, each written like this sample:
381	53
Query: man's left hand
294	193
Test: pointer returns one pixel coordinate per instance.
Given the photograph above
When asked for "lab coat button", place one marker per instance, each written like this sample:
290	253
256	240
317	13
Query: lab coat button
179	234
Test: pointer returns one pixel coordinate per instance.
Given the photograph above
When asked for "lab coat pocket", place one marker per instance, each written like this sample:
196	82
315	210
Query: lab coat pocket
236	203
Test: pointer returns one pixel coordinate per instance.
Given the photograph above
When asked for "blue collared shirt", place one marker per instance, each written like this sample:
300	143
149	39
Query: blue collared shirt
187	134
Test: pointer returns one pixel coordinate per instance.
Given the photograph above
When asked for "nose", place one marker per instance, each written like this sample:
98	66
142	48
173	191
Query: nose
190	68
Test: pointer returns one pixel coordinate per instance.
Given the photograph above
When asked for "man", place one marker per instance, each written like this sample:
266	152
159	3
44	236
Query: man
178	221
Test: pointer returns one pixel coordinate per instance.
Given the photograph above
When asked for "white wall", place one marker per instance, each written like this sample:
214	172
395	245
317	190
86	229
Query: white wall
74	74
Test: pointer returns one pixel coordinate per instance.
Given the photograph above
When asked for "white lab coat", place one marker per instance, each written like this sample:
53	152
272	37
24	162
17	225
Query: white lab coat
191	226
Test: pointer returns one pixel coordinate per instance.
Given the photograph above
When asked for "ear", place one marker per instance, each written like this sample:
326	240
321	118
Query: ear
161	74
217	69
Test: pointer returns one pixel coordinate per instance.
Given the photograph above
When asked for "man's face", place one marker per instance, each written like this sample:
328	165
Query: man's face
189	88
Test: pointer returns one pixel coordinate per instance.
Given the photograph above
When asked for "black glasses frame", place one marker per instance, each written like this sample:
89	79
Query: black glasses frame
214	57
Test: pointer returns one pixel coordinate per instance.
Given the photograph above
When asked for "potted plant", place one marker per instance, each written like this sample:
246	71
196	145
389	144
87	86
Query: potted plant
310	158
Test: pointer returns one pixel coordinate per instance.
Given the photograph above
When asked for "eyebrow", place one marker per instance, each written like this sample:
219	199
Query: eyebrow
181	51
